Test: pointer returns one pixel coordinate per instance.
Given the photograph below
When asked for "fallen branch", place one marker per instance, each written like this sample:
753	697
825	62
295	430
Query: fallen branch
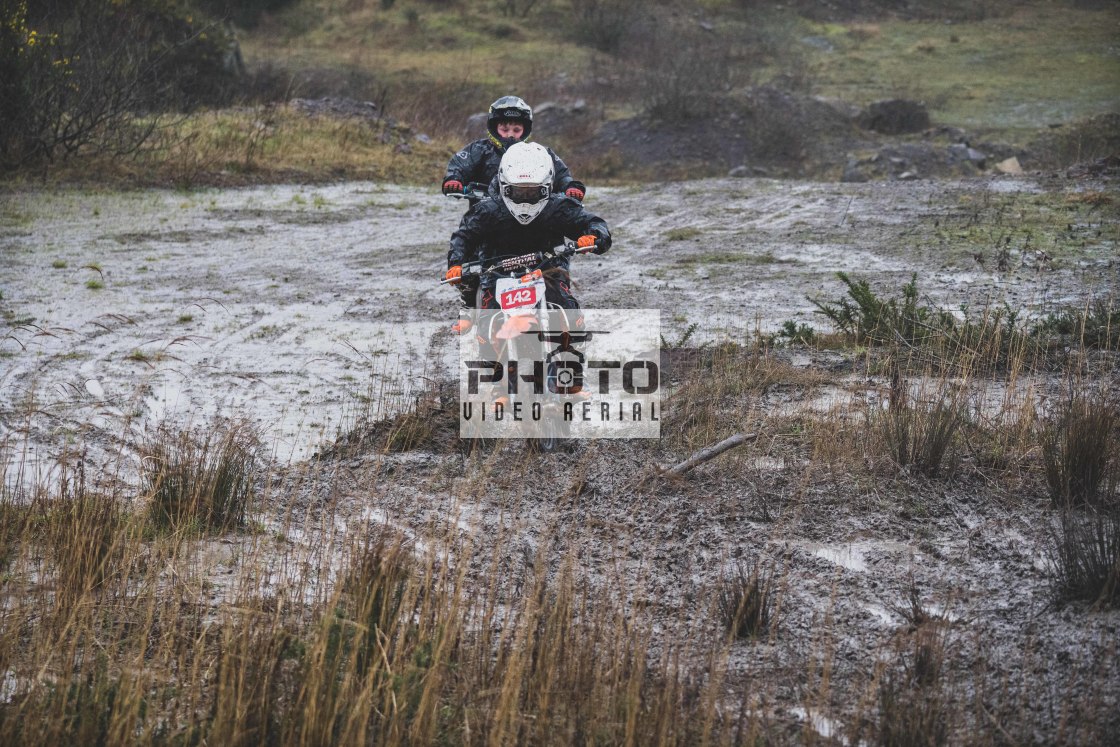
710	452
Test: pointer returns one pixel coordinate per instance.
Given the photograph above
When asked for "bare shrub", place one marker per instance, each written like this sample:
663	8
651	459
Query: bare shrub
681	73
441	106
520	8
245	13
604	24
1080	443
201	481
1086	140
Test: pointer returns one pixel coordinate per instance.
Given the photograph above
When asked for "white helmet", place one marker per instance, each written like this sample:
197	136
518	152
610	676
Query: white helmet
525	179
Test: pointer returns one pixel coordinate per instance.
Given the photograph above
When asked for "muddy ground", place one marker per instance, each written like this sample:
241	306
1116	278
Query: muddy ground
310	310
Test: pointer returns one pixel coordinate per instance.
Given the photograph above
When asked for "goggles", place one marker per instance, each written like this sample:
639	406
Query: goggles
525	194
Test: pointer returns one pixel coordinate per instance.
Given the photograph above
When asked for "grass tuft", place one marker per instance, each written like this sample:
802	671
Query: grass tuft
745	603
913	702
919	431
200	481
1085	557
84	531
1081	449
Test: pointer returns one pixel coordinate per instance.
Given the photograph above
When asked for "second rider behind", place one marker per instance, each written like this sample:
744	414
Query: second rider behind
528	217
509	121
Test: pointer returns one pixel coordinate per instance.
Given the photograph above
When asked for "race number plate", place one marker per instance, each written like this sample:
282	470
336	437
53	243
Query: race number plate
513	294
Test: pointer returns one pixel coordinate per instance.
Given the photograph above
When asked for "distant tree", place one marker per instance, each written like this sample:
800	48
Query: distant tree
97	75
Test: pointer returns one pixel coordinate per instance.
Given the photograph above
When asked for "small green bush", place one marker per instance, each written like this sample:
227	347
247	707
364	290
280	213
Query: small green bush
1096	326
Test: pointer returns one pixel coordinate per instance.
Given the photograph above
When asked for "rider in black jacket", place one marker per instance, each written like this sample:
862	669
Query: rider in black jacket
526	217
509	121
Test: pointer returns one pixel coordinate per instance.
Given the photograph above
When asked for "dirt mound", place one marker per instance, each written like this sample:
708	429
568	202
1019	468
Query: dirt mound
1083	142
766	131
895	117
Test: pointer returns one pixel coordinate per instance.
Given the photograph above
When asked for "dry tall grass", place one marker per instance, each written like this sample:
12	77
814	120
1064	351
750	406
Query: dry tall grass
320	632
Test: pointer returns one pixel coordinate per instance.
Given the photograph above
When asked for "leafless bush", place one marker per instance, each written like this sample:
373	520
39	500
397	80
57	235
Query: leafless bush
245	13
1083	141
604	24
681	73
97	77
519	8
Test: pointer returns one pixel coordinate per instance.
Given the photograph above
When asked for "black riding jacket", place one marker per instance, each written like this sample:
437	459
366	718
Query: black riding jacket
489	231
479	161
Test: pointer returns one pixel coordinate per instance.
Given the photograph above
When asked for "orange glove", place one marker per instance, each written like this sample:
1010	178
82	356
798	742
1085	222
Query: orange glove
453	186
454	274
586	242
575	193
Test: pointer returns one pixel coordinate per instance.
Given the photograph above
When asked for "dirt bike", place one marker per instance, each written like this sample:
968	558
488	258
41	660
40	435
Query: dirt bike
526	328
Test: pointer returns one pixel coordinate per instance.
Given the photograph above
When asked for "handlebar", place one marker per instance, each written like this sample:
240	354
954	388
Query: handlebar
523	262
471	191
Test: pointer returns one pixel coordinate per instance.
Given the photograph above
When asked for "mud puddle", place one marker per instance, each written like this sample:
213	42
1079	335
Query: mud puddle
299	307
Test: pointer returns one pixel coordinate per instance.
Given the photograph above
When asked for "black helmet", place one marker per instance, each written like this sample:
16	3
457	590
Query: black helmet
509	109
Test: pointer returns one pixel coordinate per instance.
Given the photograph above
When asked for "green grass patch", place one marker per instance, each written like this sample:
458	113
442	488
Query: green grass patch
1039	62
728	258
686	233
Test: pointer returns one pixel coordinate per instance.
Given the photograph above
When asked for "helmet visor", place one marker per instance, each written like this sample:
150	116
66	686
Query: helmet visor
525	194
